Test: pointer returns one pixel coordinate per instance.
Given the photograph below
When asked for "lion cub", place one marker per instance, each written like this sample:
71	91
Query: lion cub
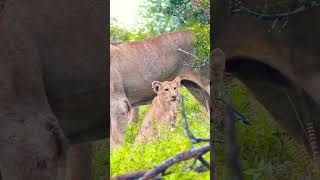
163	111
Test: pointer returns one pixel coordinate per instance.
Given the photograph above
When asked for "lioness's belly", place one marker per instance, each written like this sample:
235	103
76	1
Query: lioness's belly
137	79
141	92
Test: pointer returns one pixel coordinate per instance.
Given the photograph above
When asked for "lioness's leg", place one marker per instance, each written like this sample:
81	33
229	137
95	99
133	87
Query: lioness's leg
32	145
119	108
200	95
31	141
134	114
79	161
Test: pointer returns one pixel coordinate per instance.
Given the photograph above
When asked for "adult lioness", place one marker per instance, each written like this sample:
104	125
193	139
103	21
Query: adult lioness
135	65
53	75
163	112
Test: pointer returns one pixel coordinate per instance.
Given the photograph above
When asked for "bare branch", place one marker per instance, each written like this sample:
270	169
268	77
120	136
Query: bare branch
176	159
239	115
192	137
179	49
152	173
197	66
194	66
134	175
259	15
204	162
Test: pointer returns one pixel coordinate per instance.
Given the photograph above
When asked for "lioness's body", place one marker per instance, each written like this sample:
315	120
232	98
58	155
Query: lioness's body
139	63
163	111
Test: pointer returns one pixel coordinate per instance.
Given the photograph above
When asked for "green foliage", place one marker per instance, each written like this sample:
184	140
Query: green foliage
142	156
202	42
161	16
100	160
155	21
118	33
266	150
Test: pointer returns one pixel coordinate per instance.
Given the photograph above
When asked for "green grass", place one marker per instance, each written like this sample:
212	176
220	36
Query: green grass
142	156
266	150
100	160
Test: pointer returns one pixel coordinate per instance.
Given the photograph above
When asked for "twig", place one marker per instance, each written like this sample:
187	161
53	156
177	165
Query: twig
238	7
218	141
301	9
179	49
239	115
197	66
192	137
204	162
152	173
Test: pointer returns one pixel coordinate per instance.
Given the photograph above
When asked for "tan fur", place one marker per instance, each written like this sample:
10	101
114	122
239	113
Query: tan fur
163	112
53	75
135	65
217	68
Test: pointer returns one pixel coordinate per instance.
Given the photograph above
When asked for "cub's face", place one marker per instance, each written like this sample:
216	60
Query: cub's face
168	90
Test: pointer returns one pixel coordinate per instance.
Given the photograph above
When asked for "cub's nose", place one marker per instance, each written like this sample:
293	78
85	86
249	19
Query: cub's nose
174	98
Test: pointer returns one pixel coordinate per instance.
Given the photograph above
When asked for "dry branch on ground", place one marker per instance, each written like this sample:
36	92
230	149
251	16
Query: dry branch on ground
152	173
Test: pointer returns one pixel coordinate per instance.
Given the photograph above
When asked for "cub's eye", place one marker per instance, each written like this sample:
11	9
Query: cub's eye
174	88
166	89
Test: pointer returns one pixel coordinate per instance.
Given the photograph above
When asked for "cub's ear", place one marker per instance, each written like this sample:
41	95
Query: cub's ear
156	86
177	80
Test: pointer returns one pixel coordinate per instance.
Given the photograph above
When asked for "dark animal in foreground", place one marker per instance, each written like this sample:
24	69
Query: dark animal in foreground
52	83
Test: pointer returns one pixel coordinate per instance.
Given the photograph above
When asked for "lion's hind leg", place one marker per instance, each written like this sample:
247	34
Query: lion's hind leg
119	108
